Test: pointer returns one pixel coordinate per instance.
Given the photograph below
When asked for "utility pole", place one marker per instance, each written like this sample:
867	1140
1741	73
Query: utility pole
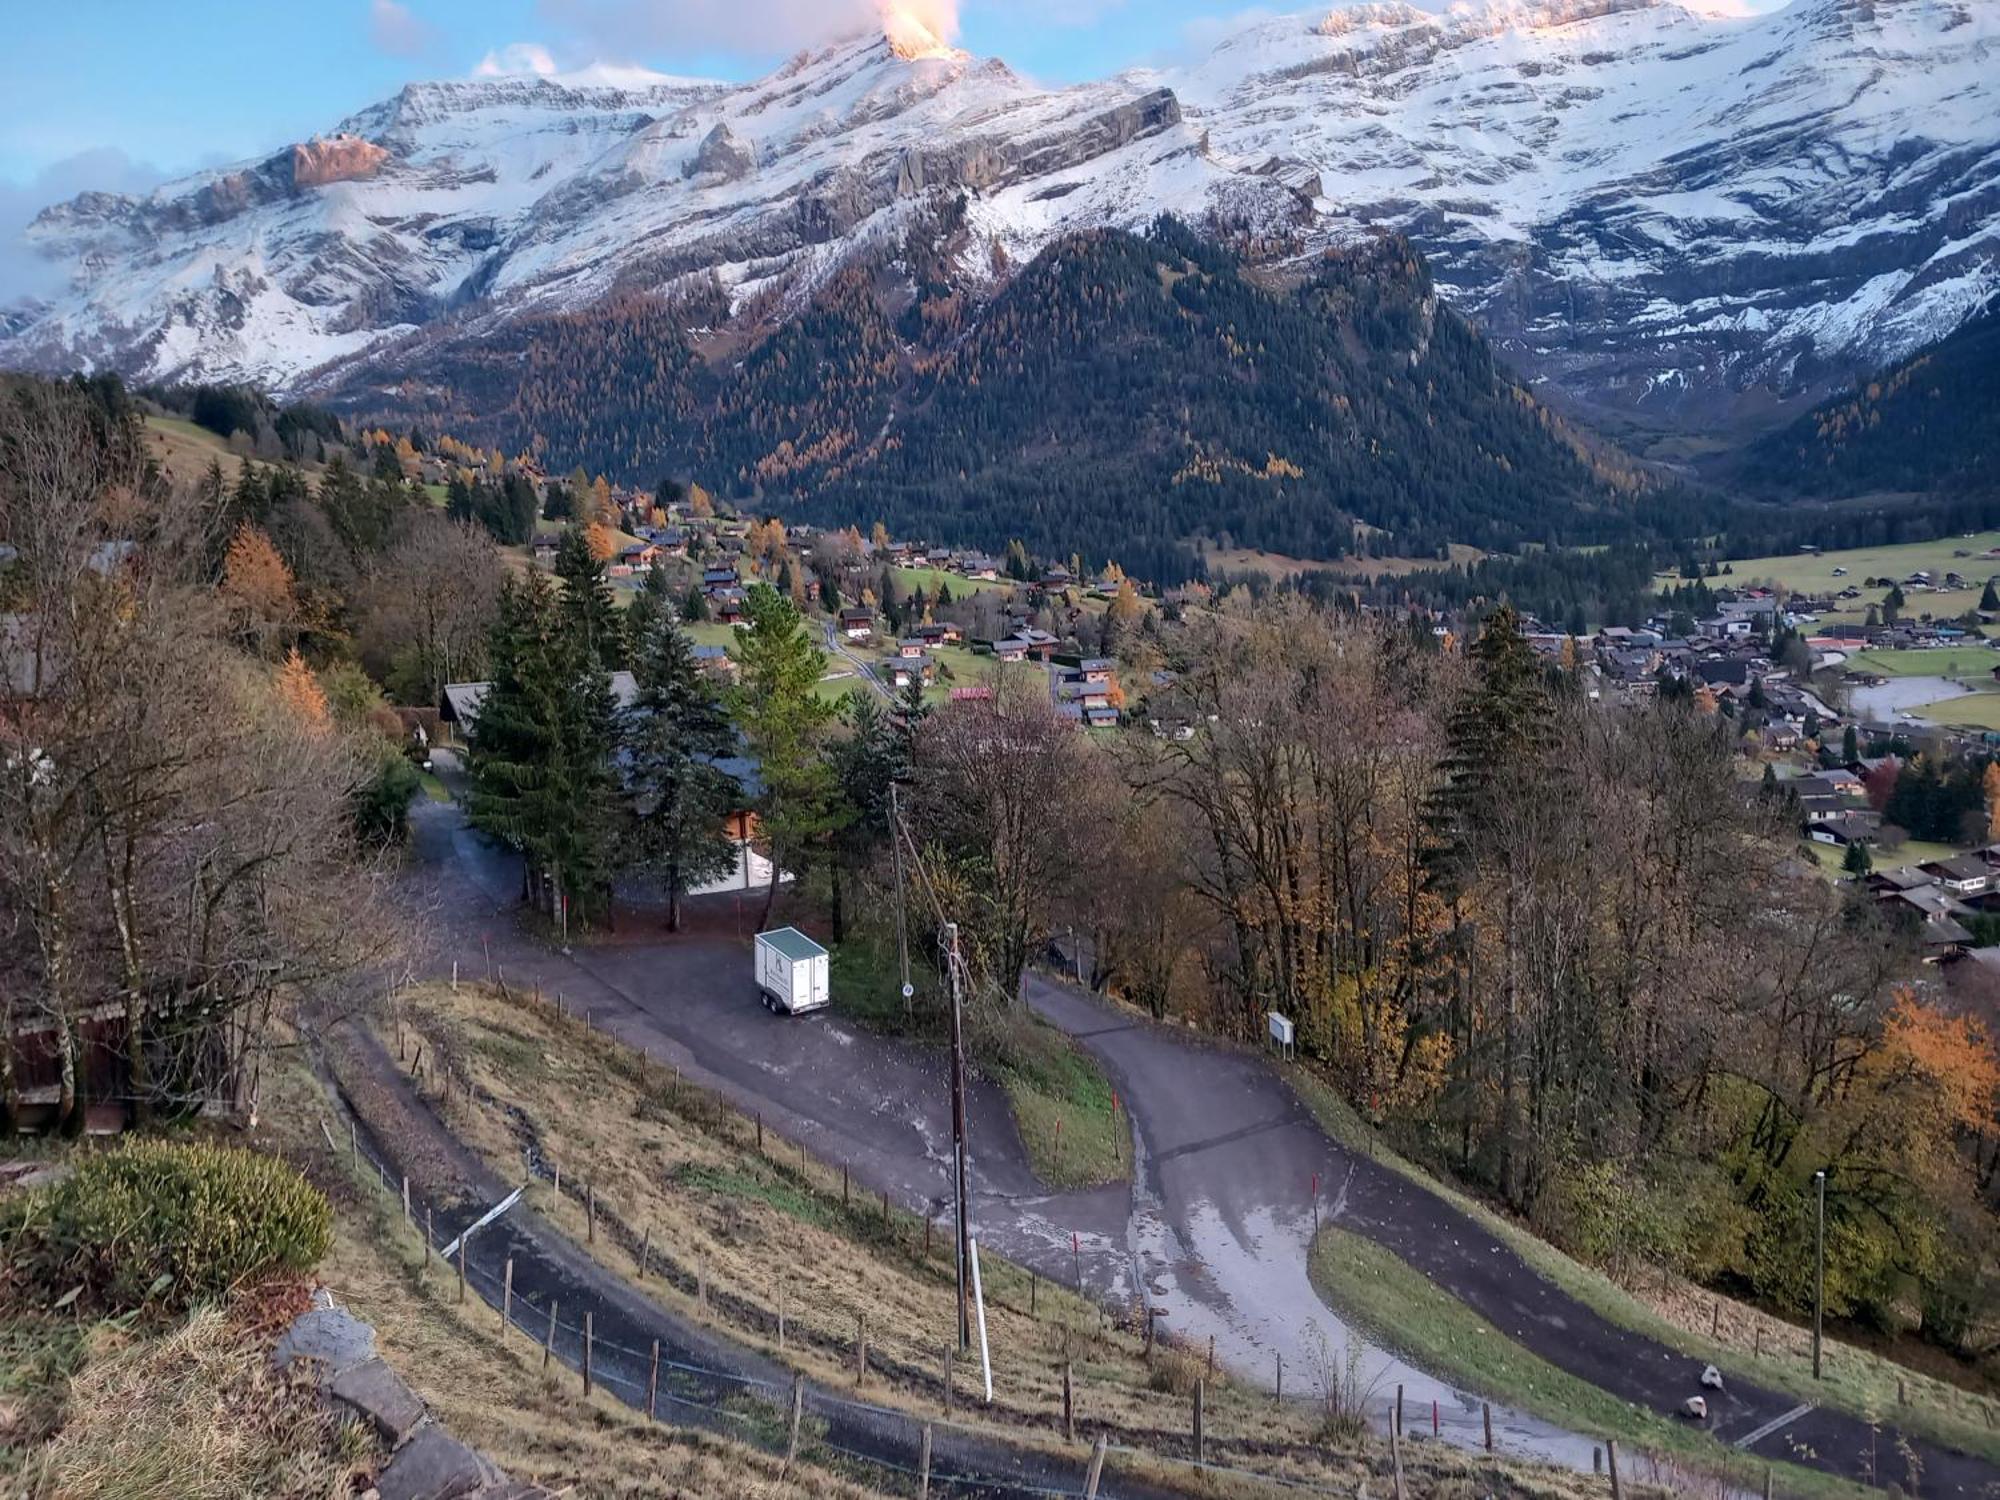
1819	1268
958	1147
902	926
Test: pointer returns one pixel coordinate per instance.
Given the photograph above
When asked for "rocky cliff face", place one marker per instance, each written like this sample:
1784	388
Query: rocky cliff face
1654	210
341	158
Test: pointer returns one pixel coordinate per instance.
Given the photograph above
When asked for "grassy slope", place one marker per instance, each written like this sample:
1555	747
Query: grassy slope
491	1391
1970	663
1978	711
676	1161
909	580
1061	1100
1406	1311
186	1409
1813	574
1752	1344
1064	1106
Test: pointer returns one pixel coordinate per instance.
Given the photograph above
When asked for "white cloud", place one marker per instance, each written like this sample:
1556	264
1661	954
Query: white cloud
23	273
755	28
397	30
517	58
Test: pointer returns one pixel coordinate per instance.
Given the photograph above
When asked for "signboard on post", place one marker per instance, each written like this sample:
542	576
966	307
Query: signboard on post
1281	1034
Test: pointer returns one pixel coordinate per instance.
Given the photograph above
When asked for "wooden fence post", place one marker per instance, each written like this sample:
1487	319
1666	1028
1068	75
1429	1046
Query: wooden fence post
1715	1319
1281	1376
924	1466
760	1132
1069	1406
1211	1356
461	1268
1396	1456
1486	1413
1200	1437
843	1185
1096	1468
947	1380
860	1347
1034	1281
701	1281
427	1237
653	1386
1399	1411
549	1343
645	1252
353	1143
507	1298
1611	1458
798	1410
589	1337
590	1212
406	1197
781	1317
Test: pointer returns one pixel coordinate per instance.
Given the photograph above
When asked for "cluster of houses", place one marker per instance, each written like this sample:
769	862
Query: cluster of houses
1943	896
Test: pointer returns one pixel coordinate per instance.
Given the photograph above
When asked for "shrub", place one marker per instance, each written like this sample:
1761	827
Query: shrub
169	1223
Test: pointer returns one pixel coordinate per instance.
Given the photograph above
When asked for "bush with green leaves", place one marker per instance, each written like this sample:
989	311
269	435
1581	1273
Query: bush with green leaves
161	1223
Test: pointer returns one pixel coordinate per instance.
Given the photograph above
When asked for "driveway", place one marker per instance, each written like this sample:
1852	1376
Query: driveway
1223	1214
1216	1224
879	1105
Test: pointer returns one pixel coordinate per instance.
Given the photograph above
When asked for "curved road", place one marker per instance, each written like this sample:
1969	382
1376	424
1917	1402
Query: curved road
1216	1224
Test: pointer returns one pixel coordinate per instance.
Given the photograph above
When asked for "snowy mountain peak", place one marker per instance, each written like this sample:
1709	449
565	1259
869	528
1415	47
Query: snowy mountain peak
1649	204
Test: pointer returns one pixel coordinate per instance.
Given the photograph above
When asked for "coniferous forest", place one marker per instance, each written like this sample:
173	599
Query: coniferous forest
1124	396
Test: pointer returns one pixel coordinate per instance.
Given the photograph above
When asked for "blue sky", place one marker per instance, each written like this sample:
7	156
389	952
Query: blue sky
117	93
179	85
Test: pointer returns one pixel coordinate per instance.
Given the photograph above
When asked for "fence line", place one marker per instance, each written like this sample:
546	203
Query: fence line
826	1401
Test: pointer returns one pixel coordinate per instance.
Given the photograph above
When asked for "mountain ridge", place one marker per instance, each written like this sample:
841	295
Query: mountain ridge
1650	210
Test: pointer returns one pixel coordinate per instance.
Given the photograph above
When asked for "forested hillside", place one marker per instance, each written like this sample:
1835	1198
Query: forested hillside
1122	397
1931	423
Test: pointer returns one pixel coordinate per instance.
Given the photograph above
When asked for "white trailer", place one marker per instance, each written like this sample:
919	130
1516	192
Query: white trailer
791	973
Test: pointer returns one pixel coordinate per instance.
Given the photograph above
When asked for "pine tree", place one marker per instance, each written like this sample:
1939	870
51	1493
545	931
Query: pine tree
781	714
674	732
1850	746
541	749
694	608
1500	725
1857	860
588	611
1989	600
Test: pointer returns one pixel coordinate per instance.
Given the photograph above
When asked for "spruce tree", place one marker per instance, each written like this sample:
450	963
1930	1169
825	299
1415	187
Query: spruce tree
588	613
674	732
541	750
1989	599
781	714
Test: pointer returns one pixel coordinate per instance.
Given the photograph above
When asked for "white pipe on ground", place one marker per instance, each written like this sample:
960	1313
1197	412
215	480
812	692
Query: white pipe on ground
979	1301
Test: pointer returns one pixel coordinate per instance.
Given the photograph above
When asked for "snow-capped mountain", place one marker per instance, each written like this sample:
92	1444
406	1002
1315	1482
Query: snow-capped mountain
1648	205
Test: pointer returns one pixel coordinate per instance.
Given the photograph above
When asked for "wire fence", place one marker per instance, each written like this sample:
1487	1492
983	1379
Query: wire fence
564	1341
455	1084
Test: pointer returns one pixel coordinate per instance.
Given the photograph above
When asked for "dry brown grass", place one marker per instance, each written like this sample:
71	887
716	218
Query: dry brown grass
491	1392
194	1412
752	1227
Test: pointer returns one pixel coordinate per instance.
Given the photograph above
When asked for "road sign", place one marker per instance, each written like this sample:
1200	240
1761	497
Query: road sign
909	991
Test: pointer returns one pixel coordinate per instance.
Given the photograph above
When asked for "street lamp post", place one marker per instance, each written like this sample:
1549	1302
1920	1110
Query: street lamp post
1819	1269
